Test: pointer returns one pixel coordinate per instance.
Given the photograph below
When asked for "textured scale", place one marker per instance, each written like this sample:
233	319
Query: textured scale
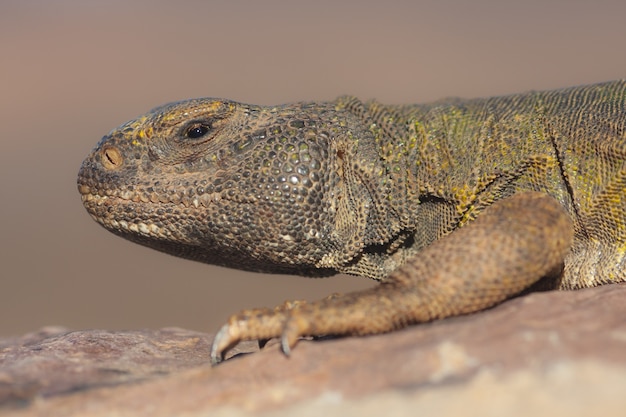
454	206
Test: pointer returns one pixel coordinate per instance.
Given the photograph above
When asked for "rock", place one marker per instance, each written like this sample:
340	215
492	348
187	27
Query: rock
556	352
56	361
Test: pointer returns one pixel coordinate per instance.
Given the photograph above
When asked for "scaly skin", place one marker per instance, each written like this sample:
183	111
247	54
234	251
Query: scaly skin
454	206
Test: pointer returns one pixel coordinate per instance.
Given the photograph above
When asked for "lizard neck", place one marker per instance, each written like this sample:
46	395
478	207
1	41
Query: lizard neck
408	173
387	153
372	203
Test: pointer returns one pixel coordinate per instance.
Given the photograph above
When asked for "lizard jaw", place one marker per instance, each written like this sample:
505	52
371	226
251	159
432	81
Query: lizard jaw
205	200
101	206
98	207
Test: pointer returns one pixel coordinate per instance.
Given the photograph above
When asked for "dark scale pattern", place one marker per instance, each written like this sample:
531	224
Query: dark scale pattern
396	193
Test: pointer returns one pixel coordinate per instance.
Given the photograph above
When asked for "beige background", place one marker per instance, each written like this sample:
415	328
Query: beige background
72	70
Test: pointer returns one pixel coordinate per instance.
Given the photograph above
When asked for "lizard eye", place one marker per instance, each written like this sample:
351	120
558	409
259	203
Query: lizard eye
197	130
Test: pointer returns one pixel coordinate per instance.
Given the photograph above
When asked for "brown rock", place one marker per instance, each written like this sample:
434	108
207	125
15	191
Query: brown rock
555	351
56	361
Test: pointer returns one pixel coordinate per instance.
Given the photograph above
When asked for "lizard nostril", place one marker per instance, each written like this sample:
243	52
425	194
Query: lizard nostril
111	158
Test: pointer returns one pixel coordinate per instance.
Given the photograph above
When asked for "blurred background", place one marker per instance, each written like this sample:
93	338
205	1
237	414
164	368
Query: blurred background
72	70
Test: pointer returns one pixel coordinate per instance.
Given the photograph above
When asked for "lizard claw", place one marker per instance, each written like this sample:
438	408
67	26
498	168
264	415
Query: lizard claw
294	328
221	343
286	345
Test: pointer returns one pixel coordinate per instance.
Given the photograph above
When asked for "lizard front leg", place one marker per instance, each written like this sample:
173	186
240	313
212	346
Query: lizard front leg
513	243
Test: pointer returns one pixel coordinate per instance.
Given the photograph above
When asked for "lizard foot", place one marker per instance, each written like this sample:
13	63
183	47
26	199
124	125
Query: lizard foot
259	323
264	324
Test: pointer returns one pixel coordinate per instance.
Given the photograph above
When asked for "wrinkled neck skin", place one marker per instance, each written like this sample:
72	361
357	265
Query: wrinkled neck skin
300	189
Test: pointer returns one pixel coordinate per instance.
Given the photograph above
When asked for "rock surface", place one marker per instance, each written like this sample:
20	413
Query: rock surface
545	353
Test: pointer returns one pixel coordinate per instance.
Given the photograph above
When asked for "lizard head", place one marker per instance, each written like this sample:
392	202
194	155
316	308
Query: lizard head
250	187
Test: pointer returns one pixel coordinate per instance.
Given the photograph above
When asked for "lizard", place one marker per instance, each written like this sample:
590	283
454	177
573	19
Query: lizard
454	206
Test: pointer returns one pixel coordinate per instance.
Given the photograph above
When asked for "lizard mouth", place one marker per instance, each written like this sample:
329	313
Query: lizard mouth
103	209
90	195
133	213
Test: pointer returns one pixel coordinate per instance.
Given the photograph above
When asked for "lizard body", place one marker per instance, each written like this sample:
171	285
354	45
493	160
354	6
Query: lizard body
454	206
